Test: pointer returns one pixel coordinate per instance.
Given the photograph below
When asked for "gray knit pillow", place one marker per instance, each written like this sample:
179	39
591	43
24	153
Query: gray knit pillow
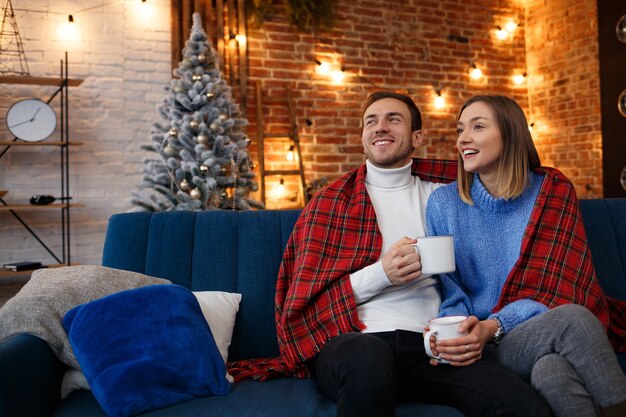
41	304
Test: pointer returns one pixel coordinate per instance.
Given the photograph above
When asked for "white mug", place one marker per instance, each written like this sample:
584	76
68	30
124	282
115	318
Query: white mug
443	328
436	254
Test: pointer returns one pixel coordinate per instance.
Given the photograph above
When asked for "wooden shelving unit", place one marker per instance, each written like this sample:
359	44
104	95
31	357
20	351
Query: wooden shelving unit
61	92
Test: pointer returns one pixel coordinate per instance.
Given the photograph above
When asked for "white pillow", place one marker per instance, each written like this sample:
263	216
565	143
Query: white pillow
219	310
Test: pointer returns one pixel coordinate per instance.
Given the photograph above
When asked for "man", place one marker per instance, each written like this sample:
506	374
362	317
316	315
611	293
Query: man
351	302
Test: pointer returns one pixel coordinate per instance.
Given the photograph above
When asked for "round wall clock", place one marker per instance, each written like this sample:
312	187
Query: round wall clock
621	103
31	120
620	29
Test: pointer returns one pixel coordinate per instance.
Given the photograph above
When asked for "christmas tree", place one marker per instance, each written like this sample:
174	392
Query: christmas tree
203	162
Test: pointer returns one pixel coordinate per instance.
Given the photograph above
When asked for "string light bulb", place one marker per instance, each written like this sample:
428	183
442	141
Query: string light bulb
440	102
510	26
338	76
519	78
290	153
241	39
531	126
281	185
70	19
501	33
323	68
475	72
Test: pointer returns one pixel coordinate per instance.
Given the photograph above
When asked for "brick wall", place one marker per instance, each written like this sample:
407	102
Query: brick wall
124	59
382	46
564	92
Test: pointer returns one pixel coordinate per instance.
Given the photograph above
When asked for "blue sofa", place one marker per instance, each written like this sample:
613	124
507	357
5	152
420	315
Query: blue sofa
237	252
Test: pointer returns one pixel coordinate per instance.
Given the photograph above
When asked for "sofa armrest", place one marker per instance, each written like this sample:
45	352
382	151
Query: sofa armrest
31	375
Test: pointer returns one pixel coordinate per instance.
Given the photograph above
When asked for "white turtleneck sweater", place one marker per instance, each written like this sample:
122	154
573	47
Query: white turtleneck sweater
399	200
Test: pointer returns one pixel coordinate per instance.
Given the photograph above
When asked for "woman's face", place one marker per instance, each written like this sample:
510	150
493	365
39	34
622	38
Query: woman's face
479	141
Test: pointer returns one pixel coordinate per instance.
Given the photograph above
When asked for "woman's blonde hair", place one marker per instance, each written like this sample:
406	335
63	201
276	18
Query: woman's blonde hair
519	154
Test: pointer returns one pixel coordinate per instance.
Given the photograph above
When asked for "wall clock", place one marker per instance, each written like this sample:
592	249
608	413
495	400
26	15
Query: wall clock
31	120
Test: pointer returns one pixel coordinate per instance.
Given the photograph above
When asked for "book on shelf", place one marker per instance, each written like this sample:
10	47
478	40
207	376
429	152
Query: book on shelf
23	266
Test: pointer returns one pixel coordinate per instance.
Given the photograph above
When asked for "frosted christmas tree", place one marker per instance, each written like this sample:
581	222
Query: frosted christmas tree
203	160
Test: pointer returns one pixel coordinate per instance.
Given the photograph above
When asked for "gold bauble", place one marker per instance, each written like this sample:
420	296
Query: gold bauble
195	194
204	169
196	77
223	116
169	150
203	139
173	132
184	185
202	57
194	124
210	95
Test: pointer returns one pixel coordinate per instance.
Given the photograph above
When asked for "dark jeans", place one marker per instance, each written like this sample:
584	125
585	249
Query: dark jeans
367	373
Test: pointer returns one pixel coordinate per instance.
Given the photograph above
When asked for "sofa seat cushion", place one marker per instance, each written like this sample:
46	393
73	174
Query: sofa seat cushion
276	398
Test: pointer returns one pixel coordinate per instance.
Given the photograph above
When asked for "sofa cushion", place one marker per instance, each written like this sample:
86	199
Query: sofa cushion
40	305
285	397
146	348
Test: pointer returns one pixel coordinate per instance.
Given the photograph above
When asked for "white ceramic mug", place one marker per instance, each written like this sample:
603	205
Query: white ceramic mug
442	328
436	254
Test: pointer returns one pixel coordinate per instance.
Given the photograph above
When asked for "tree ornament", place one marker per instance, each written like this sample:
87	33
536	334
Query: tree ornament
173	133
195	194
202	57
204	169
223	116
169	150
214	126
210	95
202	138
194	124
196	77
179	88
184	185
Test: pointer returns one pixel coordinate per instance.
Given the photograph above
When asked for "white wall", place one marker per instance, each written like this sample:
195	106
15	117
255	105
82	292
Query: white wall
122	51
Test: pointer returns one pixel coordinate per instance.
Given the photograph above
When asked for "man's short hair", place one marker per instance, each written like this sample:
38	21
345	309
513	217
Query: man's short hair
416	116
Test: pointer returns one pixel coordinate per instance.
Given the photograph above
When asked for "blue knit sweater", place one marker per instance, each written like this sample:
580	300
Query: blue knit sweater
487	243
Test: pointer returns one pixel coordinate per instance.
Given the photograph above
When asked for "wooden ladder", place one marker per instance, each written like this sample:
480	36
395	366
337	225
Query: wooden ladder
262	103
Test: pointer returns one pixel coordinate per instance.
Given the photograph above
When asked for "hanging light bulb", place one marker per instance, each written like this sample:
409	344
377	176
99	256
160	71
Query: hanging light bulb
323	68
281	186
510	26
501	33
475	72
440	102
241	39
68	30
338	76
290	153
519	78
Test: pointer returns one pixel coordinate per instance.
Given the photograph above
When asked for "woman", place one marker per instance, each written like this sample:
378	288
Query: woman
523	266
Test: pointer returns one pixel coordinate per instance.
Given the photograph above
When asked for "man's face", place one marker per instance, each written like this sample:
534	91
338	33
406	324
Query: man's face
387	138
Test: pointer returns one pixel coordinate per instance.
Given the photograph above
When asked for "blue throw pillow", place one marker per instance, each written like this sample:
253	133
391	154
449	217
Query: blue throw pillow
146	348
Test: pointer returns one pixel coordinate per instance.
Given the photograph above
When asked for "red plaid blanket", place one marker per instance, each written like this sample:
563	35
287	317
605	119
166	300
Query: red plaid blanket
335	235
555	265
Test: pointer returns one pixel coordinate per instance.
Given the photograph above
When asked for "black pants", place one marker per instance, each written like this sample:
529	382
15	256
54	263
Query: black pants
367	373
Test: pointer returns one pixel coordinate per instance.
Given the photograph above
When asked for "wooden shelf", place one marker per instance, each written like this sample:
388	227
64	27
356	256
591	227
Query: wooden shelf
52	143
38	207
5	273
57	82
